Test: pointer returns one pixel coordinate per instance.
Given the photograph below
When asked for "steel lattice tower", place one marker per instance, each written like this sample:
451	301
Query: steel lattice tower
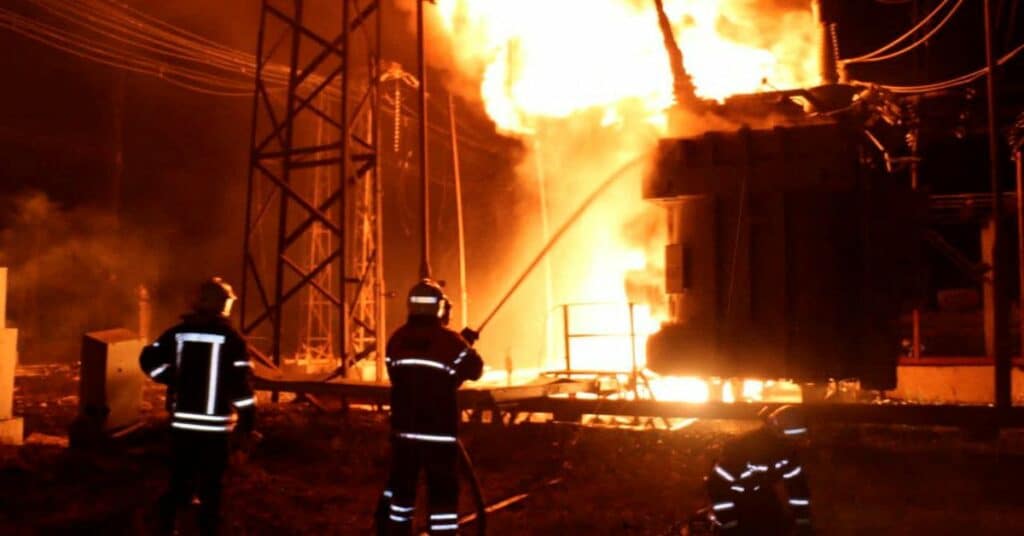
312	225
316	348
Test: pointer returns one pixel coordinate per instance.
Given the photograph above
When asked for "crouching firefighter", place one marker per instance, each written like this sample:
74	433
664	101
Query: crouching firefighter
205	365
758	485
427	362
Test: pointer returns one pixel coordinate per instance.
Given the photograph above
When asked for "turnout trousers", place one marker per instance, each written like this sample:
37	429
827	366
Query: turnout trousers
439	460
754	513
198	463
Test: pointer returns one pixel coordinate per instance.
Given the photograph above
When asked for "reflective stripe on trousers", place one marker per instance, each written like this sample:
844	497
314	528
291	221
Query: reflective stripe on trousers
433	438
444	522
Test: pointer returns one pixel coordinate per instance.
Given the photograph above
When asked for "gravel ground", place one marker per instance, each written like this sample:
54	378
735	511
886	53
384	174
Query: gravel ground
319	472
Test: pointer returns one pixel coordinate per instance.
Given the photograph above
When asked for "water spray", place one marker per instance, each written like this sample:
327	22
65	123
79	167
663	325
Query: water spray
566	225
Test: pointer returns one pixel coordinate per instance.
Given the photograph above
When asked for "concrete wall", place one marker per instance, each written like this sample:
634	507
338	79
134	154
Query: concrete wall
962	384
11	428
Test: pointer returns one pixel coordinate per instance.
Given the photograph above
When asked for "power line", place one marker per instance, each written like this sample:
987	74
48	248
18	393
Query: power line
947	84
876	58
116	35
901	38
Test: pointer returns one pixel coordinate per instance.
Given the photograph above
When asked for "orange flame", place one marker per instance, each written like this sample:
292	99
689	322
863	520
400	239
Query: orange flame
590	82
538	58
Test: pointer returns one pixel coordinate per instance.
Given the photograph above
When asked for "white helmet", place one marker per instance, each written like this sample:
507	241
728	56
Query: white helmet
427	299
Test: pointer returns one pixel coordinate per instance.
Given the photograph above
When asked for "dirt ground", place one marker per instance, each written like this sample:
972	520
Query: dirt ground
320	472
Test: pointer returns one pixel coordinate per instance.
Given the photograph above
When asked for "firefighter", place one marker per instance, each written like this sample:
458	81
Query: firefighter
205	365
427	362
758	485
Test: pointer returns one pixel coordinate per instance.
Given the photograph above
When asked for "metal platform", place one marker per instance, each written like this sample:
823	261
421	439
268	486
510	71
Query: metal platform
847	413
555	396
379	393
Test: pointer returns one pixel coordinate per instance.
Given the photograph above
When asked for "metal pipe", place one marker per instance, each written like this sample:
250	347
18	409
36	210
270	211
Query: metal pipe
463	291
565	324
378	195
345	170
632	348
424	181
289	140
1018	157
915	349
250	178
1001	355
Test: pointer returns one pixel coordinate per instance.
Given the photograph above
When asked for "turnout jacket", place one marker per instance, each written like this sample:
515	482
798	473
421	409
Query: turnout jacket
205	365
427	363
758	486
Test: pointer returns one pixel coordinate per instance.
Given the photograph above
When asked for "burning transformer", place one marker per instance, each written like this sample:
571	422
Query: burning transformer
792	244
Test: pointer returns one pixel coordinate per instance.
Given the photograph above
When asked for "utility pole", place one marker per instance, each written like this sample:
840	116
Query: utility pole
424	176
1000	350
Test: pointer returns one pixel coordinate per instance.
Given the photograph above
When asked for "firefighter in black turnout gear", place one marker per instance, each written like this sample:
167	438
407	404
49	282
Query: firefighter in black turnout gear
205	365
427	362
758	485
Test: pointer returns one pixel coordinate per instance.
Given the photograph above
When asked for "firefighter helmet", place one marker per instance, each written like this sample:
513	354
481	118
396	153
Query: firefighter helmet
427	299
788	421
215	296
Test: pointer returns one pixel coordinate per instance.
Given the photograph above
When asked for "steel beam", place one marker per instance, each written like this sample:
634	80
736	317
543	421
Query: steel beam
887	414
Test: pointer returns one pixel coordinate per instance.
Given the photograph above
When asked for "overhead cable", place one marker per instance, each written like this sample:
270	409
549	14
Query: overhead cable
946	84
864	57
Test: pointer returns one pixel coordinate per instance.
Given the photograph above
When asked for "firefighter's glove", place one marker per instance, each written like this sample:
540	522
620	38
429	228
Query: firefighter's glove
470	335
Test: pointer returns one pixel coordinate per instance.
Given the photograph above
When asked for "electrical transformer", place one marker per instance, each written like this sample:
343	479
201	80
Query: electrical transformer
788	256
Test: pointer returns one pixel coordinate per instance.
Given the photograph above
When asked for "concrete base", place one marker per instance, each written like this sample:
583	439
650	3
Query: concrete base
942	384
12	431
8	363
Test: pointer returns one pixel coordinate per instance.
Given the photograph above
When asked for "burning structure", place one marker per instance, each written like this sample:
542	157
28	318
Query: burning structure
761	223
786	241
582	119
788	246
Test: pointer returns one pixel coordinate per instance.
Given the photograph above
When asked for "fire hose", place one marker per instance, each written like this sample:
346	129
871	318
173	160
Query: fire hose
480	514
466	463
474	484
481	506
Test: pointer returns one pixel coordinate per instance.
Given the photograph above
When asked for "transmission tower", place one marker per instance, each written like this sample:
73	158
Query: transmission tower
316	349
313	200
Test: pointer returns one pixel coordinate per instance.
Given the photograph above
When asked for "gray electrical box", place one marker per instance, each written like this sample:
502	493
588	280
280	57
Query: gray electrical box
111	380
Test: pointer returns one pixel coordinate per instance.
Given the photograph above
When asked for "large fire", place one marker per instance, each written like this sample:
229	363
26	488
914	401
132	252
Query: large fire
587	84
553	59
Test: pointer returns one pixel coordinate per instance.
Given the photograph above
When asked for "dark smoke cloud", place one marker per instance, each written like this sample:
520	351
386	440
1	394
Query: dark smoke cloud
70	271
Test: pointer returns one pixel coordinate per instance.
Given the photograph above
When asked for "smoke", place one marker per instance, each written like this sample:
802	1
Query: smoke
71	271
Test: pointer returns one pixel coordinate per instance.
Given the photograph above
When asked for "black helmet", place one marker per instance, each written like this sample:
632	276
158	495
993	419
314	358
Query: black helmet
215	297
788	421
428	300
